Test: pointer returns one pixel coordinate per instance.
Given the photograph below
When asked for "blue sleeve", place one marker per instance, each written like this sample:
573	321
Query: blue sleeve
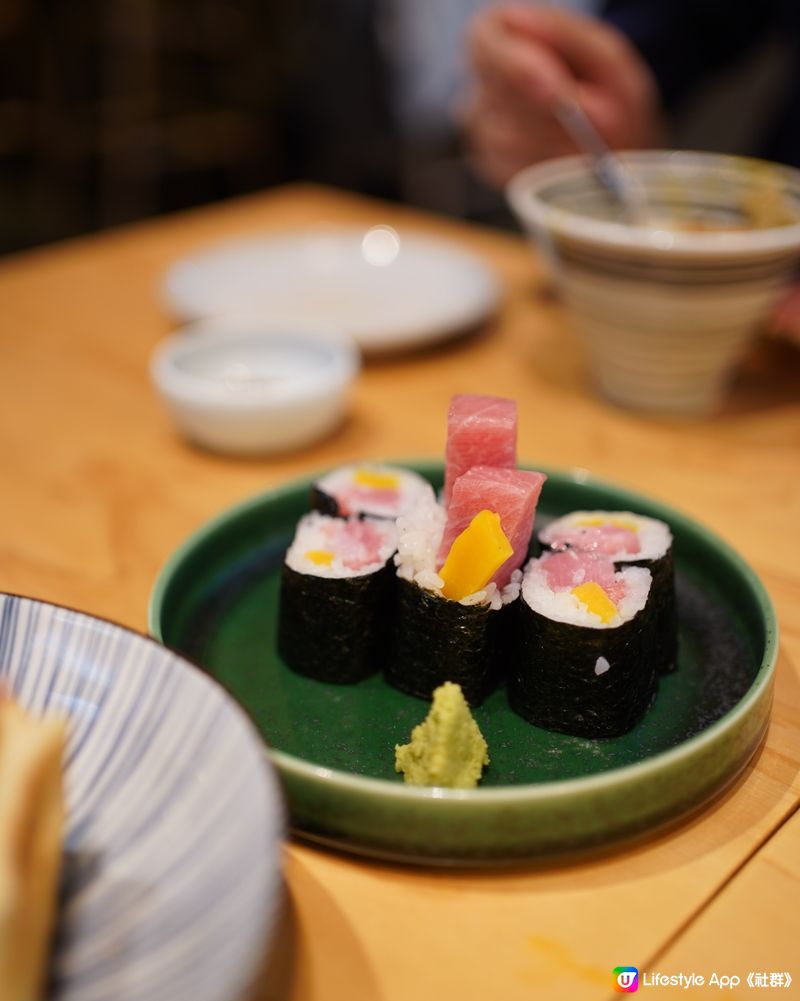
684	40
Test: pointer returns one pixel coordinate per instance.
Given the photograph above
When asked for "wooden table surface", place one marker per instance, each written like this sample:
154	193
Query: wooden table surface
97	490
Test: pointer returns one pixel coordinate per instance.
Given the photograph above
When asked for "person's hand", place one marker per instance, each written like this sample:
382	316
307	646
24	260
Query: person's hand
523	58
785	321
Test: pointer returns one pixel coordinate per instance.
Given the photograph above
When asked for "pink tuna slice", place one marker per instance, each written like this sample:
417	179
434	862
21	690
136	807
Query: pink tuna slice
511	493
481	431
608	539
352	499
360	544
572	567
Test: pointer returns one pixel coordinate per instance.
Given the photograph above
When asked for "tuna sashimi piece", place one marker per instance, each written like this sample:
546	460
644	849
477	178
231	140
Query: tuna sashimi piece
481	431
511	493
571	567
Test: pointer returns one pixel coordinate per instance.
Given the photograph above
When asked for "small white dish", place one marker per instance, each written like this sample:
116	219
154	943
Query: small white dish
389	291
240	385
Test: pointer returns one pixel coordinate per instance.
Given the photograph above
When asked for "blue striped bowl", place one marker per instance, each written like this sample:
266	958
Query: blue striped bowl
171	865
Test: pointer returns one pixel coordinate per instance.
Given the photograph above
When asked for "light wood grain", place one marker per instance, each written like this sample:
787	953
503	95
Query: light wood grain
98	490
747	921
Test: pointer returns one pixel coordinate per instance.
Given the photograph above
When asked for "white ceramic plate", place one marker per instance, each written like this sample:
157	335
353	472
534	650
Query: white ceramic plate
388	290
171	865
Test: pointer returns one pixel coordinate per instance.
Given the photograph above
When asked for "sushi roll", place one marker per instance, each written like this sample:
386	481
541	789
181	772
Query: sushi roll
582	663
629	540
367	489
458	577
336	597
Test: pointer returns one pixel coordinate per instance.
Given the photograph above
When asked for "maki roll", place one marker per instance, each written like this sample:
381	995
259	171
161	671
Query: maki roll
336	597
629	540
458	576
582	663
367	489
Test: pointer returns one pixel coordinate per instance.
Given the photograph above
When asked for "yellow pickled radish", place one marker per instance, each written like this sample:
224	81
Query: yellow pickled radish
376	481
474	557
595	522
596	600
322	557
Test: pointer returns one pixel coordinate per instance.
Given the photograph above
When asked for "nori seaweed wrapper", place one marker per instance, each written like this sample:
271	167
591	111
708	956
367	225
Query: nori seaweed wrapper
664	608
334	628
552	681
324	502
438	640
503	624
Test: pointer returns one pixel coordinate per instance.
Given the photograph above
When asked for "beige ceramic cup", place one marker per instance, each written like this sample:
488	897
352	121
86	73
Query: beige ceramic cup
667	307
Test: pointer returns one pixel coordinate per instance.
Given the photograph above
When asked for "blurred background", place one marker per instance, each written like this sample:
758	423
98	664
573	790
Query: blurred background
115	110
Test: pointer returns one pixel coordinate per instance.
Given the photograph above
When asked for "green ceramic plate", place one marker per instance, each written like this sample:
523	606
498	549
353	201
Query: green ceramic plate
216	602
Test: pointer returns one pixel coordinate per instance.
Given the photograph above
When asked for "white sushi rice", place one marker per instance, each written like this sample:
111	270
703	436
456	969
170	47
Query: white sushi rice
654	536
342	484
419	535
563	606
320	533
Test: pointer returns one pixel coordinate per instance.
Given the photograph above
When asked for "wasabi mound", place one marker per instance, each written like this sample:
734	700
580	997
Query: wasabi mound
447	748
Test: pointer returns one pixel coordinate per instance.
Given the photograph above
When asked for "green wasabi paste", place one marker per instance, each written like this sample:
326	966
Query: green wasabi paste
447	748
